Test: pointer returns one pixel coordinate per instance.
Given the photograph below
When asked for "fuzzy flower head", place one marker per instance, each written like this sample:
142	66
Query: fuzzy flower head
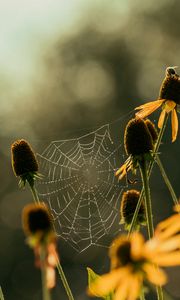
38	227
24	161
128	206
138	144
133	261
169	100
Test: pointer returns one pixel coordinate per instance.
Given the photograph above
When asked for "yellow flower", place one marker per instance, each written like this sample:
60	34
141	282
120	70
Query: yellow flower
169	99
133	260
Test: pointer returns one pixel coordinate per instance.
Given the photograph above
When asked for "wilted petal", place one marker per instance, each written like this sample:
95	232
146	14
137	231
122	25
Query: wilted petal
155	275
174	124
148	108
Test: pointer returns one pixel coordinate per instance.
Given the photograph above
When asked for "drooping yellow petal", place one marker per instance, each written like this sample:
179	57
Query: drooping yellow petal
155	275
161	118
108	282
148	108
174	124
168	260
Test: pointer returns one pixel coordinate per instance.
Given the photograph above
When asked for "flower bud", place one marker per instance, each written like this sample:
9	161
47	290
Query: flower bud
128	206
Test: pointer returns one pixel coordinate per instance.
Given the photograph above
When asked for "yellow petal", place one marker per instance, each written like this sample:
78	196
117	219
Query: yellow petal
148	108
107	283
174	124
168	227
161	118
122	290
168	260
137	243
155	275
170	244
169	105
135	287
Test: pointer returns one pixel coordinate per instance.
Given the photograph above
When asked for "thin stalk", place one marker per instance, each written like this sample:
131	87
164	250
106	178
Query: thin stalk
148	209
151	164
64	281
166	179
59	267
147	197
45	290
1	294
34	193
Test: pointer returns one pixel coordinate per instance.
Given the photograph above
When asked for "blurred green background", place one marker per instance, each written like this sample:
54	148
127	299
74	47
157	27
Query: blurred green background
67	67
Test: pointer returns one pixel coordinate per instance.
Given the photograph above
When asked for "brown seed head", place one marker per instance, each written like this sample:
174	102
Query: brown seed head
128	206
137	138
23	158
152	129
170	88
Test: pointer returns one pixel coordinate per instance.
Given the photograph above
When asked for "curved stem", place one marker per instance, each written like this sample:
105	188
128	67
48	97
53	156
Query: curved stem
166	179
160	135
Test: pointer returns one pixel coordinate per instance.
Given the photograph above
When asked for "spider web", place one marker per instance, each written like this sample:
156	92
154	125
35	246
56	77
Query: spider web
80	188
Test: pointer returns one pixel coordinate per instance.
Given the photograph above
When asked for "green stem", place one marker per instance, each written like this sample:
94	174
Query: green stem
45	290
64	281
166	179
59	267
160	135
147	198
34	193
1	294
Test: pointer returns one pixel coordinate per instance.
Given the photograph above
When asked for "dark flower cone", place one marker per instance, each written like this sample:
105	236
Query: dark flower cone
137	138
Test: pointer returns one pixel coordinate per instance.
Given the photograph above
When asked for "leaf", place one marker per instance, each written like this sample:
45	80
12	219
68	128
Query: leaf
92	276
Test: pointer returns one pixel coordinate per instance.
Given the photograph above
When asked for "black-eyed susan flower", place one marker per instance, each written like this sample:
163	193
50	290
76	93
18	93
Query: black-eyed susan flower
169	99
138	145
133	261
129	202
38	227
24	162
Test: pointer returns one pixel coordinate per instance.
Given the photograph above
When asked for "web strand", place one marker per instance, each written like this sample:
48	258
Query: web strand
80	187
